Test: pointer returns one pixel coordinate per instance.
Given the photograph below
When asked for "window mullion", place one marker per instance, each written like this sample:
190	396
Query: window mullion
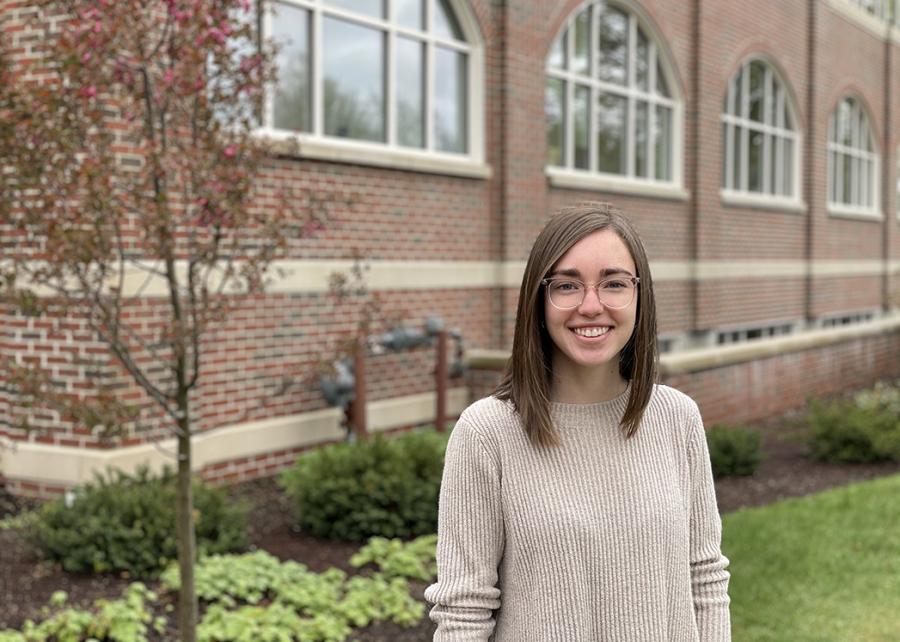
745	130
390	90
318	124
631	117
651	112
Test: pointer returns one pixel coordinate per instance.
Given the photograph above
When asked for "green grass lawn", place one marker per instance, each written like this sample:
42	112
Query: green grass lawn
820	568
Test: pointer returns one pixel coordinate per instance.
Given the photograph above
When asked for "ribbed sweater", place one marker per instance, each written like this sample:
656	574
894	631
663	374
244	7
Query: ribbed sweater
601	538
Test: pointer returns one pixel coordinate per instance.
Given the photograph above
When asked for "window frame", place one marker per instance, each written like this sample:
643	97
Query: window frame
734	116
832	148
659	56
316	144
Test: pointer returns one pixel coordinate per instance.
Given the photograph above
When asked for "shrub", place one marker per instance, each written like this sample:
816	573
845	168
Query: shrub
382	487
127	523
865	428
734	451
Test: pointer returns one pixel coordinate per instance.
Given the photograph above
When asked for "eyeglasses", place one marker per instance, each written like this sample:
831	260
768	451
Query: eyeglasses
615	293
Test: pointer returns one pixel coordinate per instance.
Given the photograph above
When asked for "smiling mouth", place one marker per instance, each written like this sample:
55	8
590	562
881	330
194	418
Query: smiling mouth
591	333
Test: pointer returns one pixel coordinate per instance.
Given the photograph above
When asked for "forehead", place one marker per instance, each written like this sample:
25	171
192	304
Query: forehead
596	252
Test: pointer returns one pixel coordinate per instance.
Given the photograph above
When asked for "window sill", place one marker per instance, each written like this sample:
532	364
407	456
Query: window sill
762	202
359	153
571	179
844	211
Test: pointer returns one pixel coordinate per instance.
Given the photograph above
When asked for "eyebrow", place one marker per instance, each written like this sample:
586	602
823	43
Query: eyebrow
603	273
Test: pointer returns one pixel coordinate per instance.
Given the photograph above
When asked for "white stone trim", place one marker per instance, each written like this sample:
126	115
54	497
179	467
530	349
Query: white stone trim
762	201
584	180
877	27
67	465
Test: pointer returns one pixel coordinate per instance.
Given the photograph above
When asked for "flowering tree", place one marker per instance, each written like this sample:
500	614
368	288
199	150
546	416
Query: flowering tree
129	170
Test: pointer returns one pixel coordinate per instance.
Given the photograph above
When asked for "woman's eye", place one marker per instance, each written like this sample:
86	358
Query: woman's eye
615	284
567	286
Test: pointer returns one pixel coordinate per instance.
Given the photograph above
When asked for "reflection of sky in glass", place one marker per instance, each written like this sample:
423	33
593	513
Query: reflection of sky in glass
290	30
642	61
373	8
408	13
444	21
611	133
450	100
582	42
558	53
353	65
410	98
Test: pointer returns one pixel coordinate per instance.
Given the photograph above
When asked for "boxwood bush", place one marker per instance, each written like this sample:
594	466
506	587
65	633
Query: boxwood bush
863	428
380	487
121	522
733	450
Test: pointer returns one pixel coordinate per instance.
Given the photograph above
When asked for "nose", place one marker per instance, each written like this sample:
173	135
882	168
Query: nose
591	305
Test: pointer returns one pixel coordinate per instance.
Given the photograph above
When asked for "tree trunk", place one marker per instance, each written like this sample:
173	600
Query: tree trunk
187	545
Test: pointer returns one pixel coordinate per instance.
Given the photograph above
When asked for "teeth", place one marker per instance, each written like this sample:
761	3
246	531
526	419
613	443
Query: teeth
591	332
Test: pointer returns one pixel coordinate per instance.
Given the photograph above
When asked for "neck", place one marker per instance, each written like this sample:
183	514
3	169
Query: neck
580	385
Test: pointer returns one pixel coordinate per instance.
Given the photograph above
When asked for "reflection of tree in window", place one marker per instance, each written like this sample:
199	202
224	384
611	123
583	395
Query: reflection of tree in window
589	62
353	80
410	74
291	96
450	100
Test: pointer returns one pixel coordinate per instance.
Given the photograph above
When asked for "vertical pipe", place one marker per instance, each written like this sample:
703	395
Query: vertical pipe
358	409
809	170
440	378
887	181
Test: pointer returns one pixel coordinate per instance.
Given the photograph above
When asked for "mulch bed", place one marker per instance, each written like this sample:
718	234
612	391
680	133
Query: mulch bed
26	583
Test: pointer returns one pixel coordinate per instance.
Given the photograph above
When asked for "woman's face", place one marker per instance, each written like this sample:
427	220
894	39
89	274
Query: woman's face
591	335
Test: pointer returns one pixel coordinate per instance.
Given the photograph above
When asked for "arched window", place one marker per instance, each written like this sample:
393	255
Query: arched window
852	160
397	73
610	106
761	143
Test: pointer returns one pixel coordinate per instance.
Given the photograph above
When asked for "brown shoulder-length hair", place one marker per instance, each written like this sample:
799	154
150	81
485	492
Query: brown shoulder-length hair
527	379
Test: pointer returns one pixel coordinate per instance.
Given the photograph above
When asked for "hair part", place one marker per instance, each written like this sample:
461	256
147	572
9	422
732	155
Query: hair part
528	376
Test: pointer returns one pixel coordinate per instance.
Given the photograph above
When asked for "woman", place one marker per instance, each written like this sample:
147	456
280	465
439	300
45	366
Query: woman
577	503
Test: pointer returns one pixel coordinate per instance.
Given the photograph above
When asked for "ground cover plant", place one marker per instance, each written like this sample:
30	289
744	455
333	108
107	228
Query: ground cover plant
255	596
821	568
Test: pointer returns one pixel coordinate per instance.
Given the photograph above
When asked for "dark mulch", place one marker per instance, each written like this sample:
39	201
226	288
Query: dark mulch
26	583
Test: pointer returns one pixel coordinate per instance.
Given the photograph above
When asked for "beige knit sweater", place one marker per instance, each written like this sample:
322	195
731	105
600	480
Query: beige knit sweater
600	539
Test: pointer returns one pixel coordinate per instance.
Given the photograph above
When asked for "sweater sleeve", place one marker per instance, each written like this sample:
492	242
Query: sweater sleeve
470	540
709	577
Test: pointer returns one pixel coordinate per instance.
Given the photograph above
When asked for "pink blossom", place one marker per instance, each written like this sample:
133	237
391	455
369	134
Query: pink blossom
168	76
230	151
85	57
217	34
89	92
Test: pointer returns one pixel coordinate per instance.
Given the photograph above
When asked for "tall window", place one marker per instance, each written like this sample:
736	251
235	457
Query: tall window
395	72
760	140
609	105
852	160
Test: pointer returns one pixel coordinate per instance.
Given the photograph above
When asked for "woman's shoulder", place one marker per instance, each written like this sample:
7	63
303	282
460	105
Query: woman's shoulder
667	399
489	413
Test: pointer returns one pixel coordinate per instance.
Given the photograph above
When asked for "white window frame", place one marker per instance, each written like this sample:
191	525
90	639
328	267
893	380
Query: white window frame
570	176
316	144
738	116
855	151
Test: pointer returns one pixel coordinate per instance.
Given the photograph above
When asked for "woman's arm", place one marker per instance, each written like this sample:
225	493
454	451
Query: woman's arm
709	579
470	540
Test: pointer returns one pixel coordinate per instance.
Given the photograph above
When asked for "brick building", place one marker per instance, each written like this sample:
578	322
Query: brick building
756	149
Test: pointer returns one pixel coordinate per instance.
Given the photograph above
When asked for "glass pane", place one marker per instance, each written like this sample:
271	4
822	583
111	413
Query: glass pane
663	143
832	177
770	98
290	29
444	21
662	87
409	13
737	158
773	165
642	62
613	46
373	8
353	79
788	124
844	129
755	162
582	135
757	88
450	98
410	58
582	42
641	138
558	53
554	108
725	145
611	120
738	86
864	183
846	179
